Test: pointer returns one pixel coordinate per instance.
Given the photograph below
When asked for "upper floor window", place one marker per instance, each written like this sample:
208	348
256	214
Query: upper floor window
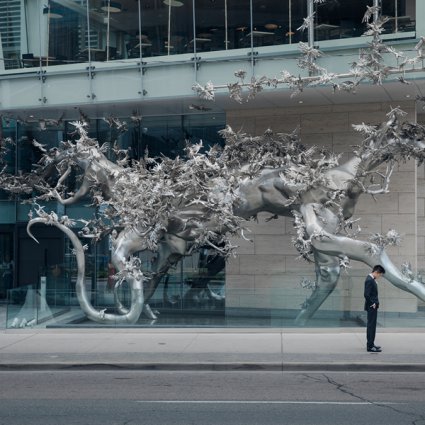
73	31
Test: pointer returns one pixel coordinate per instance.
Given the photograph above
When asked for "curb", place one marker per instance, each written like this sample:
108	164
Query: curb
218	367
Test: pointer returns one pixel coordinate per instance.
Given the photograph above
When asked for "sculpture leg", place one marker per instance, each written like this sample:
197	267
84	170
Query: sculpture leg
338	246
100	316
327	275
170	252
126	244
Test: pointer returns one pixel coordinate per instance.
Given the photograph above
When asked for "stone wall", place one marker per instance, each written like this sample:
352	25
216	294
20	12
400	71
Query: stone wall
266	274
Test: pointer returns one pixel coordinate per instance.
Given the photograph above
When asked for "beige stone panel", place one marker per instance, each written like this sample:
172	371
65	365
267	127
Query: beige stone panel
323	123
242	124
270	244
406	203
363	107
420	190
279	124
403	182
299	266
420	247
332	303
262	264
304	109
421	172
324	109
394	253
388	290
263	227
344	142
421	264
369	223
233	266
403	224
254	301
244	113
370	117
240	282
318	139
406	105
277	283
409	165
420	226
286	302
289	227
232	300
420	207
400	306
408	247
244	246
385	204
356	304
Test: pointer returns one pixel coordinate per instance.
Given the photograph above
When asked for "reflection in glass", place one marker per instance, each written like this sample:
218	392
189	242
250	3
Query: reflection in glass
64	32
401	15
10	34
7	263
344	19
276	23
222	24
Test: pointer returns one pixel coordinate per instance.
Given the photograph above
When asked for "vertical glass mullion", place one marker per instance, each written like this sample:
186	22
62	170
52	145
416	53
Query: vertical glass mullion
195	68
251	29
310	12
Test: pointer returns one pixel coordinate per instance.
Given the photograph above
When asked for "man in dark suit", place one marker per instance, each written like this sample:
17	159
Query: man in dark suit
371	305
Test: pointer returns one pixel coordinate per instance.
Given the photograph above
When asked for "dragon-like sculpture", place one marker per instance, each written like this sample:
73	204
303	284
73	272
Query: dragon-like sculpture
174	207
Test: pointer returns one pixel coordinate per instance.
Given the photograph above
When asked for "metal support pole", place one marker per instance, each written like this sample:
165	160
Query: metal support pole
310	12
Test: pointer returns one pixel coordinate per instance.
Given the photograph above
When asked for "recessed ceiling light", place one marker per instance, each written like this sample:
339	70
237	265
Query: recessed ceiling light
173	3
270	26
111	6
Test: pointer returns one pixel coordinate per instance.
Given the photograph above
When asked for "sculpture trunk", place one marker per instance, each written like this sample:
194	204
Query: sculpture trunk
337	246
98	316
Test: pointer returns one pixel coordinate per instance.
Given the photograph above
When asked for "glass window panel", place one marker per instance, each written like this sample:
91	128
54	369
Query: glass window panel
276	23
105	37
400	14
7	263
35	129
339	19
222	24
11	33
167	27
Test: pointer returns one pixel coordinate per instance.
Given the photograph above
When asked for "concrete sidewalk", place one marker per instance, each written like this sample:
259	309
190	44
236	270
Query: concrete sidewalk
210	349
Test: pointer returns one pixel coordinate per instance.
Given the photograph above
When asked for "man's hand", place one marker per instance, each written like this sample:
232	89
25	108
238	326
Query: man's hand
373	305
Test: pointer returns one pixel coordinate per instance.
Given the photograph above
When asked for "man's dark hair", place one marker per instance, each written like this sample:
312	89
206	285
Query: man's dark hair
378	268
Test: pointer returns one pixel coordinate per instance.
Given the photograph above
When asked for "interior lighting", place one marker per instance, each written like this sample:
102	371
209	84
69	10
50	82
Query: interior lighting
173	3
111	6
270	26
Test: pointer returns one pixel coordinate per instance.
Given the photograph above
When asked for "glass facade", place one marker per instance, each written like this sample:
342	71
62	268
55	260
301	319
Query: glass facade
45	288
74	33
63	32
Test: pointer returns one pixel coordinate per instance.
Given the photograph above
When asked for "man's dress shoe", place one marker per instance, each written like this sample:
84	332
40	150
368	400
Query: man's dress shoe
374	350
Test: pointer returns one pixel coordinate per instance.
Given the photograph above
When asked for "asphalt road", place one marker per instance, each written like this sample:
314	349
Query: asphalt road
184	398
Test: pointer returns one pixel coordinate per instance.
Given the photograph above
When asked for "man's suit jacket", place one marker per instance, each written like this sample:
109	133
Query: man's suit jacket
370	292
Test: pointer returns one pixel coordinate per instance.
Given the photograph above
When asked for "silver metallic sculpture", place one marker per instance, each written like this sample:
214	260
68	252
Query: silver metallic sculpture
173	207
177	206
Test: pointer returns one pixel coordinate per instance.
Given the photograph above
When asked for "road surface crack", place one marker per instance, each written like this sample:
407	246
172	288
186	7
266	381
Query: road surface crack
417	419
